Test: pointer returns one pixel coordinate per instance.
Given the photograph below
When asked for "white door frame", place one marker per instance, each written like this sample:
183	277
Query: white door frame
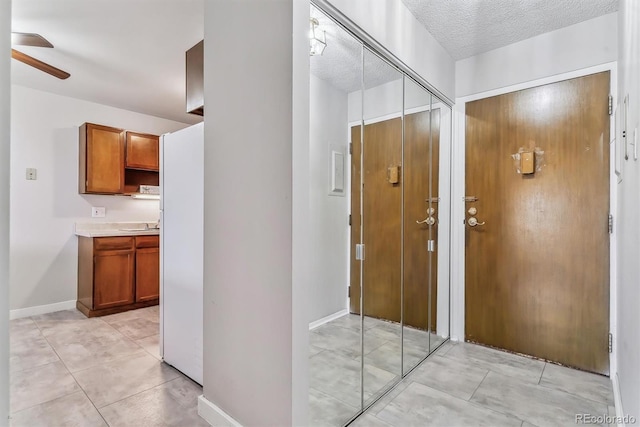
458	193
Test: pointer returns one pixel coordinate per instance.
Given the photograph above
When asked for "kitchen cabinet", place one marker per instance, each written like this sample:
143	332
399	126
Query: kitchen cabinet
117	273
147	268
143	151
101	159
114	161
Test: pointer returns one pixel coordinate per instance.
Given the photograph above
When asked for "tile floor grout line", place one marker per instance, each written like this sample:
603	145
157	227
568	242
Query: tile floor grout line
542	372
42	403
575	395
138	392
506	414
92	403
334	398
476	389
116	359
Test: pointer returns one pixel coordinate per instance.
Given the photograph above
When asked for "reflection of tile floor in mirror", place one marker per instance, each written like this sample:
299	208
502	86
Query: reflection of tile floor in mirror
459	385
335	362
67	370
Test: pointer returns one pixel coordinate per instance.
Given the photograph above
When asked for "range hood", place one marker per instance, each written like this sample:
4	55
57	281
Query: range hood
147	192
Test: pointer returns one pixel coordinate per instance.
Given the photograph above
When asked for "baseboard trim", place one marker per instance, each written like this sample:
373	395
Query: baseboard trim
617	399
328	319
214	415
41	309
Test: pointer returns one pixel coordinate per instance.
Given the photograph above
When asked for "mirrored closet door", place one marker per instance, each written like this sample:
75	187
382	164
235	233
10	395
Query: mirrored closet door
379	201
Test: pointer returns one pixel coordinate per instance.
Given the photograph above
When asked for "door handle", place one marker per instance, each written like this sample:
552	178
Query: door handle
429	221
474	221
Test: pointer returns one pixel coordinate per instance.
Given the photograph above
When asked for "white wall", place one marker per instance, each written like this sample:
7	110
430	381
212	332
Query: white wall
5	108
328	223
254	340
44	135
386	100
628	340
394	26
571	48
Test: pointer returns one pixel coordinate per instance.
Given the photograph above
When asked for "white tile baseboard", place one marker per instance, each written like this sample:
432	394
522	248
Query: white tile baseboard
328	319
41	309
617	399
214	415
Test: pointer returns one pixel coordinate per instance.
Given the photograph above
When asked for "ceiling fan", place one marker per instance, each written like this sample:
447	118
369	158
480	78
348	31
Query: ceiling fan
32	39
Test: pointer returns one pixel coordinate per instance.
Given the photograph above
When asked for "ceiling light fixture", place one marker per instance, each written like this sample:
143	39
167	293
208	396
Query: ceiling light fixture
316	43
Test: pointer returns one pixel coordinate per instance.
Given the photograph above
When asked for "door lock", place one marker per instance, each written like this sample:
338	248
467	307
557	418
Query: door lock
472	211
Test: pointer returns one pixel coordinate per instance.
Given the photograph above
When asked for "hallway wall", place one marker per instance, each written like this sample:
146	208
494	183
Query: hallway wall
628	340
571	48
327	224
5	138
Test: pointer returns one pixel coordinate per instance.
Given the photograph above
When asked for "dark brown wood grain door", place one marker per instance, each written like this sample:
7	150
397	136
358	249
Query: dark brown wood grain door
537	271
421	156
382	213
356	219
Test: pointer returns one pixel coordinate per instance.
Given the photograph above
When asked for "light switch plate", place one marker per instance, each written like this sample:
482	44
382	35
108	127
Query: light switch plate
98	212
32	174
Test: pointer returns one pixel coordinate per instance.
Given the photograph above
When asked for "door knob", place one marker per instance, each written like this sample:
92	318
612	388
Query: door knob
474	221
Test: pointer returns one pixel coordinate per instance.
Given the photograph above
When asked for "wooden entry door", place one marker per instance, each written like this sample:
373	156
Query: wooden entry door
537	271
384	266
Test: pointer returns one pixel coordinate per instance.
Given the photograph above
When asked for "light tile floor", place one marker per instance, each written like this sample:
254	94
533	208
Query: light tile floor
67	370
461	384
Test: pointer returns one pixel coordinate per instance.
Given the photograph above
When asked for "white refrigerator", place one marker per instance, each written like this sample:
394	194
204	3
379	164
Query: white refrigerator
181	249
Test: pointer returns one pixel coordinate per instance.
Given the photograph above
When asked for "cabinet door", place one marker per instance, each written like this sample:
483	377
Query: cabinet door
143	151
147	274
103	149
113	278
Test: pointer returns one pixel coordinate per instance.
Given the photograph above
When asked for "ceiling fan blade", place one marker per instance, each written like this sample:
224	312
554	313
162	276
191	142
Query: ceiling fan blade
29	39
42	66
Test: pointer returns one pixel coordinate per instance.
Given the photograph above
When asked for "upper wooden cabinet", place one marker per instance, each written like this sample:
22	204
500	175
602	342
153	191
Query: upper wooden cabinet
195	79
143	151
113	161
101	159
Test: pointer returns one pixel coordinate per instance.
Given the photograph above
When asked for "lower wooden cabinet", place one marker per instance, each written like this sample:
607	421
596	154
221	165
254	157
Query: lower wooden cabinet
117	273
147	268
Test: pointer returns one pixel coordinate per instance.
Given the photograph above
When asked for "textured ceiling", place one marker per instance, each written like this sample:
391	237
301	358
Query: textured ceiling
341	62
469	27
124	53
130	53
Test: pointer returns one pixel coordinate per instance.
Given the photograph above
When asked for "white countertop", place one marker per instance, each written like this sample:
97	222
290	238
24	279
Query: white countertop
114	229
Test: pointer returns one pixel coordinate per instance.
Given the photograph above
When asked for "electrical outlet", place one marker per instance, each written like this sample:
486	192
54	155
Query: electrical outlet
32	174
98	212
